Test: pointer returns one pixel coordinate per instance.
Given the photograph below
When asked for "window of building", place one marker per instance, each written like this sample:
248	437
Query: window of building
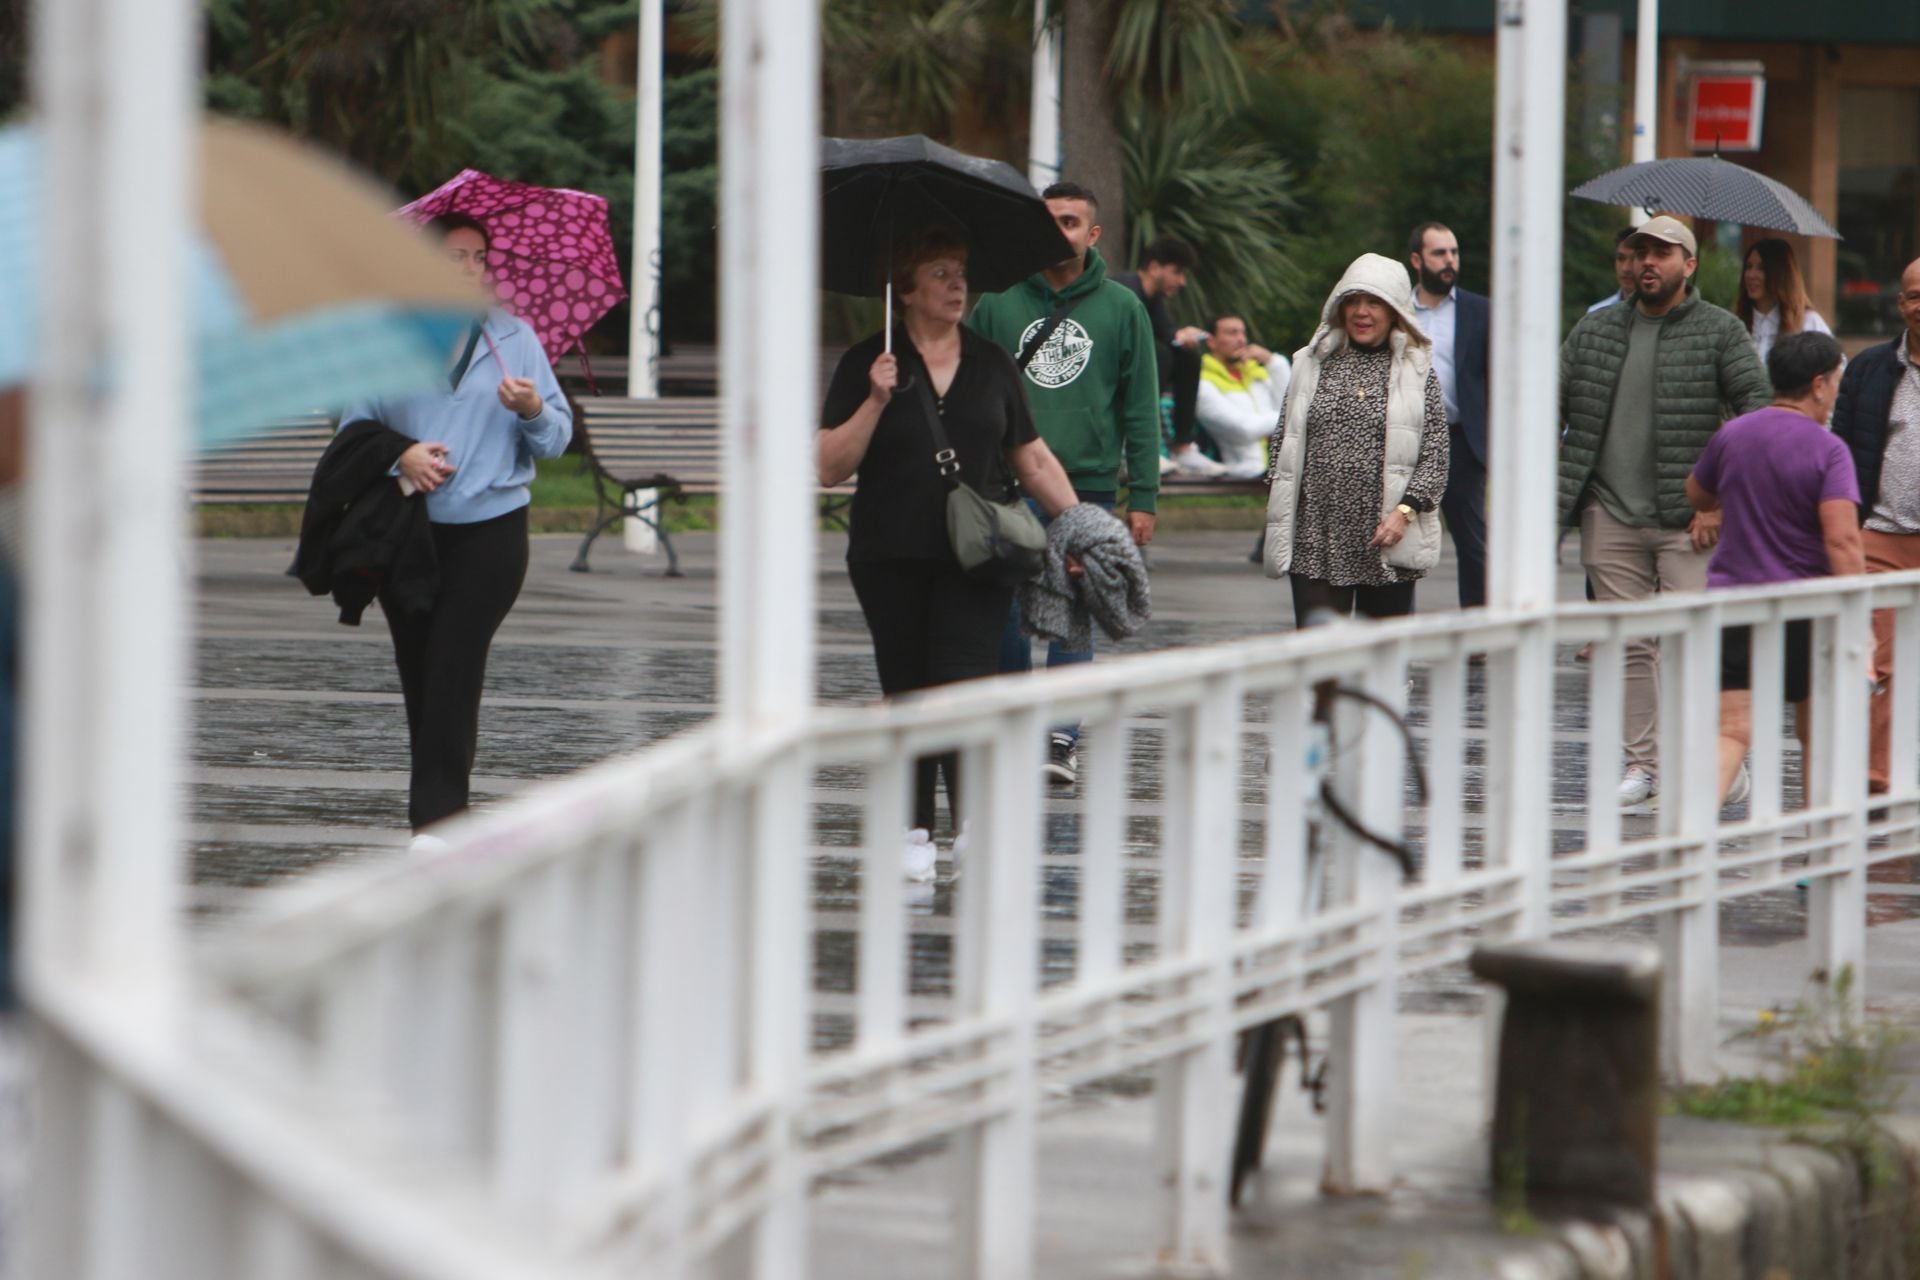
1879	204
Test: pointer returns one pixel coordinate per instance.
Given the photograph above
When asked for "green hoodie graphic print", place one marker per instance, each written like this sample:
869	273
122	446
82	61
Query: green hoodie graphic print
1094	386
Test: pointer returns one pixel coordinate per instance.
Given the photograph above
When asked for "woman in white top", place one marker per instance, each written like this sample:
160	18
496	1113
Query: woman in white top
1773	297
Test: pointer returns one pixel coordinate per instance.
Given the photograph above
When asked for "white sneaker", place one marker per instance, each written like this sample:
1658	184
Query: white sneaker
1742	787
1168	466
424	845
1637	787
916	863
1063	760
1192	462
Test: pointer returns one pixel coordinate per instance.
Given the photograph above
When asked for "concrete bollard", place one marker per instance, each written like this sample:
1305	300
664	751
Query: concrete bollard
1577	1103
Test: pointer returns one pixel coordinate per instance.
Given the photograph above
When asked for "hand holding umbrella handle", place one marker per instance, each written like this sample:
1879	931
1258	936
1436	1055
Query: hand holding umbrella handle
883	378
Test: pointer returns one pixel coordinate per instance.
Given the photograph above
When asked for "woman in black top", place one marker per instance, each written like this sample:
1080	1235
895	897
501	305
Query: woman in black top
931	623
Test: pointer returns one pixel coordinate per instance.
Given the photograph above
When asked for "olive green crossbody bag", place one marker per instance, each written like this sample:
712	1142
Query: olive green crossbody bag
1001	542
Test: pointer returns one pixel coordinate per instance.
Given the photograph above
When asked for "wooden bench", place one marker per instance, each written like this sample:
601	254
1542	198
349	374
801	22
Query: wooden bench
690	369
1189	487
667	448
274	464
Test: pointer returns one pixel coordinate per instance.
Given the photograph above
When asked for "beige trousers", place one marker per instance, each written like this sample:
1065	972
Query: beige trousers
1625	563
1886	553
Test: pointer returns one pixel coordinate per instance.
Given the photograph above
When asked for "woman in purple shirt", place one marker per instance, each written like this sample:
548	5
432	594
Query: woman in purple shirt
1790	502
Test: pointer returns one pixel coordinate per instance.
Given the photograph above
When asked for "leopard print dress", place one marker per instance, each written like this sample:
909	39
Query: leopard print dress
1346	456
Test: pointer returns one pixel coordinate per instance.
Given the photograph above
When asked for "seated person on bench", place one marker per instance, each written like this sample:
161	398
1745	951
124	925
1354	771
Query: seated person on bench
1242	386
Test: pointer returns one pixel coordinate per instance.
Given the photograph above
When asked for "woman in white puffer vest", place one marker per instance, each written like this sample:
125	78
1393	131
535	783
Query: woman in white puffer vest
1360	455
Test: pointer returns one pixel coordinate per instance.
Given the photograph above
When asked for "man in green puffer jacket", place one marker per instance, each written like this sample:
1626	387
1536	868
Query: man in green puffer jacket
1642	390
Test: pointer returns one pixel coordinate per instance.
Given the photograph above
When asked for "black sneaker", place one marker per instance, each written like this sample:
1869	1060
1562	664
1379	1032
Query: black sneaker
1063	761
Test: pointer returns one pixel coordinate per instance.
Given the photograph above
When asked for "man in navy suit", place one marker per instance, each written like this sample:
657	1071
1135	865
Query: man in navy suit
1456	320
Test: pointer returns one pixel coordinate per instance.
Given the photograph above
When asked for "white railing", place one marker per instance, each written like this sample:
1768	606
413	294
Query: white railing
591	1036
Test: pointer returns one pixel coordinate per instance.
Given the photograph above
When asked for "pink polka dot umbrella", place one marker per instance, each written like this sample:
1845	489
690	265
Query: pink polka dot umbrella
552	261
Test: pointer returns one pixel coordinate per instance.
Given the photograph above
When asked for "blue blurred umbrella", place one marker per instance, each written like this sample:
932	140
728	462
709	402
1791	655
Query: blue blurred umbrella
305	293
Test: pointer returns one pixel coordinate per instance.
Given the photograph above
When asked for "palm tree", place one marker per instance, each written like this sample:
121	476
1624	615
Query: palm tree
375	80
1121	55
1187	175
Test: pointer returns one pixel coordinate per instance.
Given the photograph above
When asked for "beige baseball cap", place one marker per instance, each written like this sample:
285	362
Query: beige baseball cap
1669	229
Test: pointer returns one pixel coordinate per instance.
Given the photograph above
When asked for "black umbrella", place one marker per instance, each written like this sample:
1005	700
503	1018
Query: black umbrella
1709	187
874	189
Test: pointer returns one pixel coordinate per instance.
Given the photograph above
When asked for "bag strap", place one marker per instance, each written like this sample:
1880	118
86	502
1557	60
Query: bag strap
944	458
1032	349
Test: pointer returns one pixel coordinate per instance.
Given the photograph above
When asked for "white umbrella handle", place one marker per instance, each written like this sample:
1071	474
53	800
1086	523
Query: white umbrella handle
889	329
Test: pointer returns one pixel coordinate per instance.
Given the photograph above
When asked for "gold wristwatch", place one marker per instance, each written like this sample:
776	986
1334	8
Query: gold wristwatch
1406	512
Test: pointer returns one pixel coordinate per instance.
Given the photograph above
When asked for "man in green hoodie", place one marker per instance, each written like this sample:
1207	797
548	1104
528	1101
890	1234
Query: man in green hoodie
1095	391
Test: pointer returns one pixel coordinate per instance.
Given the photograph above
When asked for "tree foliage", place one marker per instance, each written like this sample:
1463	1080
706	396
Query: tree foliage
416	90
689	205
383	82
1168	52
1231	199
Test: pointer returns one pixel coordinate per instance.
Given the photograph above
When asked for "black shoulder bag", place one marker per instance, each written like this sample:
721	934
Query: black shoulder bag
1002	542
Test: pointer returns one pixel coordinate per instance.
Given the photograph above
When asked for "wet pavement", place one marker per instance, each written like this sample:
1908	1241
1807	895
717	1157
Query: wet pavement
300	759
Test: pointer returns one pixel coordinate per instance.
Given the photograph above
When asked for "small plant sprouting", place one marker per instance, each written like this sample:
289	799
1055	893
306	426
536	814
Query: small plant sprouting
1829	1061
1510	1189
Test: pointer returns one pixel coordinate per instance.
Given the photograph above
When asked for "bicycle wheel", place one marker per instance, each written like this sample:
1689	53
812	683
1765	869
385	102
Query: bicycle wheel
1265	1053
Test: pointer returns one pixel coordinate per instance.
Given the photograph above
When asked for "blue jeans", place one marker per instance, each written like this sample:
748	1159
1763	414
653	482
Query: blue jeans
1016	647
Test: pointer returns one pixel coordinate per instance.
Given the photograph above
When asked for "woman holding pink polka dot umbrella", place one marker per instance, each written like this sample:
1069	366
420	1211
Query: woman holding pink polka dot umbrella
551	261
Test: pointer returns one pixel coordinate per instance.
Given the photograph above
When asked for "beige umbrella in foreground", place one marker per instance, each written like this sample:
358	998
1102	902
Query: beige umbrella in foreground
306	293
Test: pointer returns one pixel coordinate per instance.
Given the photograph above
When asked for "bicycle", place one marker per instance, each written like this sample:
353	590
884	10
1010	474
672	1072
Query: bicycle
1262	1051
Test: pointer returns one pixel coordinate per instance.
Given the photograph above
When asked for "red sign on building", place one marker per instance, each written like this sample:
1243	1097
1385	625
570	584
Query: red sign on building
1724	111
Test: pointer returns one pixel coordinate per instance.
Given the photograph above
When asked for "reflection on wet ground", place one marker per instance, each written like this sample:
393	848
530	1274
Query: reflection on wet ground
301	760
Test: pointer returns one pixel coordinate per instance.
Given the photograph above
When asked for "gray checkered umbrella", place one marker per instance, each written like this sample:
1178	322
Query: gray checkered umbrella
1709	187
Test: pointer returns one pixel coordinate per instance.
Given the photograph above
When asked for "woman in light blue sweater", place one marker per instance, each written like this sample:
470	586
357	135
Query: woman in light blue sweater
477	443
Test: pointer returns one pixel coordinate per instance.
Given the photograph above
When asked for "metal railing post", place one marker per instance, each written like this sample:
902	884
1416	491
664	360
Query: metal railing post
1689	768
106	600
1522	519
770	244
1198	852
1362	1049
998	1158
770	248
1837	903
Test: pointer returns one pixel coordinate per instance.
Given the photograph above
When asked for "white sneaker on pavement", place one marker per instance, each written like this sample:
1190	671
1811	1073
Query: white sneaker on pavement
916	862
1742	787
1063	760
1192	462
1637	786
424	844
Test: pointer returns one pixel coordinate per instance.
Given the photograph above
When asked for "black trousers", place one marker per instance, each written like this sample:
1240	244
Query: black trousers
1311	595
1185	380
931	625
442	656
1465	509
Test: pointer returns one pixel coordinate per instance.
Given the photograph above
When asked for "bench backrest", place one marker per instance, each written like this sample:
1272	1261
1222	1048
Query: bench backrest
671	440
273	465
